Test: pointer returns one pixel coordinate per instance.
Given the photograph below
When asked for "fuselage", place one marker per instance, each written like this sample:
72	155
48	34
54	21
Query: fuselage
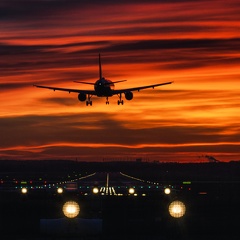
104	87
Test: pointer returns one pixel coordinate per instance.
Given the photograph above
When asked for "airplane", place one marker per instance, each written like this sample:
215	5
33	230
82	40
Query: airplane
103	88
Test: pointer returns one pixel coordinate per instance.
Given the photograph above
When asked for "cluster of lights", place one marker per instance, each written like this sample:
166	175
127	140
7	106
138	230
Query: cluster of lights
134	178
108	191
72	180
79	178
103	190
166	190
71	209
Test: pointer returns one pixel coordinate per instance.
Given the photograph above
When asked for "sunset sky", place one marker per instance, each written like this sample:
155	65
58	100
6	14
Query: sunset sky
196	44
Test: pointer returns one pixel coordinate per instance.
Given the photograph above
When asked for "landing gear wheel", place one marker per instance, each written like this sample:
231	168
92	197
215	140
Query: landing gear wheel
89	103
120	102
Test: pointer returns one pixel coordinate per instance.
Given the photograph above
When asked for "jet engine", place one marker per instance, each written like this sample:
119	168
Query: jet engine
129	95
82	97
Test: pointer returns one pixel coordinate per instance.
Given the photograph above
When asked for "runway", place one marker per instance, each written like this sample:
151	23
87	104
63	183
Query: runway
142	213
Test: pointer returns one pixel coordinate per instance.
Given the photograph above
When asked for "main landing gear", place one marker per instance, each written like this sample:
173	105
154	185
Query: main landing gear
89	101
120	101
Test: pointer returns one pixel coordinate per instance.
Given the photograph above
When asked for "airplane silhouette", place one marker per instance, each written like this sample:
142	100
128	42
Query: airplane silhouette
103	88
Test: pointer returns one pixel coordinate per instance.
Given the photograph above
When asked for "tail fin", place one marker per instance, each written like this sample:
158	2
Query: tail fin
100	66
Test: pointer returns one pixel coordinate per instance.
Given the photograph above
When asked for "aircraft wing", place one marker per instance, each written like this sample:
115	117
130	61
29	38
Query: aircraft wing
69	90
139	88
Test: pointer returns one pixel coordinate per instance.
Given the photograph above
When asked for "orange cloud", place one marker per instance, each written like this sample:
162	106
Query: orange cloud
193	44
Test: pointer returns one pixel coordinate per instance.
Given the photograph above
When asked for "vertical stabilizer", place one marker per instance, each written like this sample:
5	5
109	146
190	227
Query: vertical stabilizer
100	66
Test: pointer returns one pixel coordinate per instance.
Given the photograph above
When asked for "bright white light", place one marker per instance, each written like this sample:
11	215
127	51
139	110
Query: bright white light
167	191
24	190
131	190
60	190
71	209
177	209
95	190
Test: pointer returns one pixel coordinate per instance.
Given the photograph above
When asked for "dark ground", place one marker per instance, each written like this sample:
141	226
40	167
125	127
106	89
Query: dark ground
211	196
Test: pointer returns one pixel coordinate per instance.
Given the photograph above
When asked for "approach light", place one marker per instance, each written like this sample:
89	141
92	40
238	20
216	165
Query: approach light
60	190
24	190
167	191
71	209
177	209
95	190
131	190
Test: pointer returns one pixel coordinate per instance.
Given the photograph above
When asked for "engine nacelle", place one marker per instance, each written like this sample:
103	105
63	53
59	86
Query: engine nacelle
82	97
129	95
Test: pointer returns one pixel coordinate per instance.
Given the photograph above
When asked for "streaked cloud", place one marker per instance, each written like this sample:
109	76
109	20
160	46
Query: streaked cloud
194	44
